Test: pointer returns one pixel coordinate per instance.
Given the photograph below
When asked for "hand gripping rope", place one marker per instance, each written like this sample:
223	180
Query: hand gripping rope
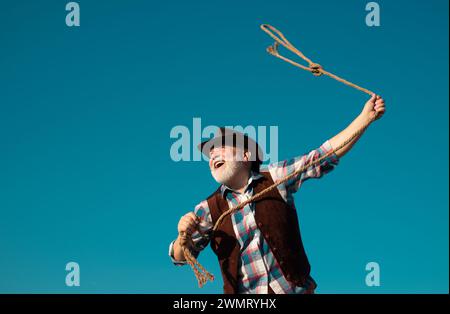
316	69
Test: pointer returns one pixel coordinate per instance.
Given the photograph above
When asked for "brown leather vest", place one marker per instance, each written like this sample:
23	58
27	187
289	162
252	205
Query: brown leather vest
278	223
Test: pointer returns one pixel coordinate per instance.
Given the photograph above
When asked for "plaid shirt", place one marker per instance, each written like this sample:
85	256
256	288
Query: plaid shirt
258	267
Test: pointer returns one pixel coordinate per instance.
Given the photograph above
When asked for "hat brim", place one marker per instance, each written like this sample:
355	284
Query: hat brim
230	140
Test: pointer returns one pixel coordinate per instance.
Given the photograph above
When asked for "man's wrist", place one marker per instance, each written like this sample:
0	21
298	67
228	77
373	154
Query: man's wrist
364	118
176	261
176	244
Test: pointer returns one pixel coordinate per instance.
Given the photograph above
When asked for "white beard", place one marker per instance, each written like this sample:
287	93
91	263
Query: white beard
228	172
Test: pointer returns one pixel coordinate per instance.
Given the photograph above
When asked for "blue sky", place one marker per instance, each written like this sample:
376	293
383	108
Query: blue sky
86	114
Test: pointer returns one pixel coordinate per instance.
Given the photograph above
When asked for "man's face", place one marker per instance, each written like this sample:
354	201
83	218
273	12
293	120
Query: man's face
226	163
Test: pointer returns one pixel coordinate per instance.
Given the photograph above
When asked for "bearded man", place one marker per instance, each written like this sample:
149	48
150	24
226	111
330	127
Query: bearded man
259	247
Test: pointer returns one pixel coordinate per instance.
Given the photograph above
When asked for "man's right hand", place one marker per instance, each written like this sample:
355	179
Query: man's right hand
188	223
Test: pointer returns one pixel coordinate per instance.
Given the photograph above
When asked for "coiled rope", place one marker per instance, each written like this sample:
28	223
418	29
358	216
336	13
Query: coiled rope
316	69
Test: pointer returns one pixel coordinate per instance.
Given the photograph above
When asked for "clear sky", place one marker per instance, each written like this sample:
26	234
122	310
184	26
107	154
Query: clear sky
86	114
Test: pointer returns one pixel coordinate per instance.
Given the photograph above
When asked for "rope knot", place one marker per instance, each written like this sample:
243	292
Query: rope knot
273	50
316	69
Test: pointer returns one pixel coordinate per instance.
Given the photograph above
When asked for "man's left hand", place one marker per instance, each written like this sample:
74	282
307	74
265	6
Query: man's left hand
374	107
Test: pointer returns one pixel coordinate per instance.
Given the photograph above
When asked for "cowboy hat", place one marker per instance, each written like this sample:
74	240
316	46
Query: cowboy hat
229	137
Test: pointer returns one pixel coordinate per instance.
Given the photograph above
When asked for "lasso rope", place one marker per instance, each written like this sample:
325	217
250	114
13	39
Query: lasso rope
316	69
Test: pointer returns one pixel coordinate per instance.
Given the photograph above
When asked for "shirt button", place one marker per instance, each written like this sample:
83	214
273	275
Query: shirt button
275	249
260	224
267	236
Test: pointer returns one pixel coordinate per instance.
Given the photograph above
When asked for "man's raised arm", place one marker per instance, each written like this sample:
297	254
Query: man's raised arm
375	105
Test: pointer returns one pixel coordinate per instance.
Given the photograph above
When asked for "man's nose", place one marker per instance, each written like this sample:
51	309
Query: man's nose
216	155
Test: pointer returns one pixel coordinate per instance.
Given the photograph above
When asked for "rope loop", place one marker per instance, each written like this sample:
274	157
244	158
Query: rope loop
315	68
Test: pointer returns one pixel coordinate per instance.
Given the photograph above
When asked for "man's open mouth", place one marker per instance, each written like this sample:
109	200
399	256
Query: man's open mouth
219	163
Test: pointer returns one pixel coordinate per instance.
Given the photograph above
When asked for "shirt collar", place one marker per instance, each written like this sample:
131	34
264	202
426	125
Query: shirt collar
253	177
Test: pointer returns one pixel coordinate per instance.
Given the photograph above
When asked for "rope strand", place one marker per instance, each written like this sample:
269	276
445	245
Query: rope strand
316	69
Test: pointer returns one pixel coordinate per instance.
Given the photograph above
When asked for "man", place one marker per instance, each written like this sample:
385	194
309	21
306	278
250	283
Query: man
259	247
